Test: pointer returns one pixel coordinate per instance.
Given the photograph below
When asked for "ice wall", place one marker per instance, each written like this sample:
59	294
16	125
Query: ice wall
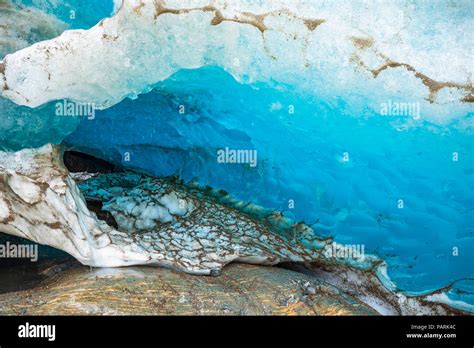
313	86
384	51
399	193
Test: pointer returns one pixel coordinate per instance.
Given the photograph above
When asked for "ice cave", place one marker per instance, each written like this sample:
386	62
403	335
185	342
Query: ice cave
192	134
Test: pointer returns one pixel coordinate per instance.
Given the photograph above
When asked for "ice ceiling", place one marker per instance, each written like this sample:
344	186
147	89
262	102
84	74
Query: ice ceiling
313	87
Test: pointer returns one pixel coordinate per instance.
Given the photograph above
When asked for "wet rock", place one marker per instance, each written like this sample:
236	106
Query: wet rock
240	290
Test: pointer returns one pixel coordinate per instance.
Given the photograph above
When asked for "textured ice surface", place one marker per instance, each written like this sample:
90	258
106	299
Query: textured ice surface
200	235
301	158
21	26
78	14
304	84
21	126
305	46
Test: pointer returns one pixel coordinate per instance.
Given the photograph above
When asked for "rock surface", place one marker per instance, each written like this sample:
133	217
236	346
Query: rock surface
240	290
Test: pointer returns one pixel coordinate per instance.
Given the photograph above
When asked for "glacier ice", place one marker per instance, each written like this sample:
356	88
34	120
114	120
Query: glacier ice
39	201
301	160
77	14
22	126
311	86
305	46
22	27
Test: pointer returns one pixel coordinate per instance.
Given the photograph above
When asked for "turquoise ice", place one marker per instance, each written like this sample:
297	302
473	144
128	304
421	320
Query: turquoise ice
361	120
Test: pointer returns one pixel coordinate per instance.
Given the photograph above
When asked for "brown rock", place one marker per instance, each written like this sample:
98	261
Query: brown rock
240	290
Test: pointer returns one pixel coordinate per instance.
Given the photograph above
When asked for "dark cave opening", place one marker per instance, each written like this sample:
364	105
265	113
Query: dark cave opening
20	273
79	162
